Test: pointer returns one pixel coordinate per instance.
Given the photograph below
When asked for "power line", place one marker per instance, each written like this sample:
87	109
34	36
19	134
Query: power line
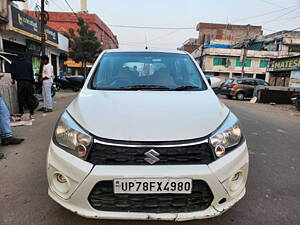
289	18
71	8
154	28
264	14
57	5
279	17
163	36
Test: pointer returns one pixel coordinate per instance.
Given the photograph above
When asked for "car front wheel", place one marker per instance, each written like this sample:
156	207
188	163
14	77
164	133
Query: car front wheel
240	96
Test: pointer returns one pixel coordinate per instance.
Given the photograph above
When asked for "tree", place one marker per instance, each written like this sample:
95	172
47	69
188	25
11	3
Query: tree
84	46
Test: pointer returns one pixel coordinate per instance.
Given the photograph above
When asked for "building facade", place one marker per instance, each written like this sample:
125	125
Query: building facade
63	21
190	45
226	62
284	72
21	35
212	31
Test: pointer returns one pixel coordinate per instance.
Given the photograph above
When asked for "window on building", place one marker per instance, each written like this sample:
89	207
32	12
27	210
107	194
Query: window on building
238	63
220	61
263	63
294	48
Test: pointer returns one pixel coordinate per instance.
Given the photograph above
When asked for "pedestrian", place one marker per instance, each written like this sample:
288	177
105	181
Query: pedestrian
47	79
6	133
22	72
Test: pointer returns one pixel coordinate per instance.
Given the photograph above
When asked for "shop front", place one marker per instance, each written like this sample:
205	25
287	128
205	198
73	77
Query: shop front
285	72
21	35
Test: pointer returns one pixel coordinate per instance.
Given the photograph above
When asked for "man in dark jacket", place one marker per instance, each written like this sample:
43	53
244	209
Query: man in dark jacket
22	72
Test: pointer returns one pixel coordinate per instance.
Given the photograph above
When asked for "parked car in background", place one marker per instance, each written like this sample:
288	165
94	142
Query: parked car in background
295	97
147	138
214	82
240	88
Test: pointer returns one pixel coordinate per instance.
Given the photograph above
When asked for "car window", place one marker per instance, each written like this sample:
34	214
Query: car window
260	82
229	81
127	69
247	82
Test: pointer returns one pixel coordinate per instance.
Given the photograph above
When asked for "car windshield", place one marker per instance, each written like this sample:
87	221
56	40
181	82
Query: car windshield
147	71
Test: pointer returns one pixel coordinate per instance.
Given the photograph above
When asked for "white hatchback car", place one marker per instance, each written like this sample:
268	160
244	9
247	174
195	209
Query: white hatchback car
147	139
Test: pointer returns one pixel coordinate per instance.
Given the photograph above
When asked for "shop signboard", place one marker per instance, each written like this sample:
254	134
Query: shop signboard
285	64
295	79
3	11
31	27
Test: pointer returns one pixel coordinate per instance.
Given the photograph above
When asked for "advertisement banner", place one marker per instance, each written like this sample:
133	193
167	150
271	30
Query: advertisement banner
287	64
31	27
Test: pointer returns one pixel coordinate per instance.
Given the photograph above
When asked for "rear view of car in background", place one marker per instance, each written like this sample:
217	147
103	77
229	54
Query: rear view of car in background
240	88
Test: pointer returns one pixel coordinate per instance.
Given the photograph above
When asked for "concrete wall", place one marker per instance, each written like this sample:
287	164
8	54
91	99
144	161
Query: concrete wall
232	54
254	69
9	94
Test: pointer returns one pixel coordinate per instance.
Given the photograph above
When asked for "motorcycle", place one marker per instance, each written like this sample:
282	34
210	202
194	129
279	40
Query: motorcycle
295	97
70	82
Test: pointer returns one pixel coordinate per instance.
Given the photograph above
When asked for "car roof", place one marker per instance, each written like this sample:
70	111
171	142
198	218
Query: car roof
245	78
146	50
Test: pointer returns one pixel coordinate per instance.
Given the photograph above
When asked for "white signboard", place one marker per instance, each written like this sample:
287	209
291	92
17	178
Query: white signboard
295	79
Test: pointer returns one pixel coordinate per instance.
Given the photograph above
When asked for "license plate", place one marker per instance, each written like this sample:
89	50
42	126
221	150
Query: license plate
153	186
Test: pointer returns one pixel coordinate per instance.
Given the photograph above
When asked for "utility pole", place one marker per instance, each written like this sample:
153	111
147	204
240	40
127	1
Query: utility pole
43	23
244	51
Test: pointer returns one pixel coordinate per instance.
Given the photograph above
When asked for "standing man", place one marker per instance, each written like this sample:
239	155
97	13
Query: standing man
6	133
47	78
22	72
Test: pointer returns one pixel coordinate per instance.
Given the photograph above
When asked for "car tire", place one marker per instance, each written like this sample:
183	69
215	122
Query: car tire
75	89
297	104
240	96
229	96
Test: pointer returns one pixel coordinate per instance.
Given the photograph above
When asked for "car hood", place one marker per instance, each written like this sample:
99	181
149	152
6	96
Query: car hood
148	115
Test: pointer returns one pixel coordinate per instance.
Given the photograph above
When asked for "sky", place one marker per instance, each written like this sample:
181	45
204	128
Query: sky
272	15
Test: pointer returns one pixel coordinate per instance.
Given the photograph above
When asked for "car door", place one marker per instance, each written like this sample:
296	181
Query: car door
249	87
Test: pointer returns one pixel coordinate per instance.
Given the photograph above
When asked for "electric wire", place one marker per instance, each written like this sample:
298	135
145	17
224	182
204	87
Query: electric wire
71	8
153	28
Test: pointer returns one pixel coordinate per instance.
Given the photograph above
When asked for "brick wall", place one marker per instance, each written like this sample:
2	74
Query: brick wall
210	31
63	21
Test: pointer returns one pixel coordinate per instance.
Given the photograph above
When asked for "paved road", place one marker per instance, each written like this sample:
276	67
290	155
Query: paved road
273	136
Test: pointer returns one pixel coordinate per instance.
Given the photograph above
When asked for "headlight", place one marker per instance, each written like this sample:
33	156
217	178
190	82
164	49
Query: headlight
71	137
227	136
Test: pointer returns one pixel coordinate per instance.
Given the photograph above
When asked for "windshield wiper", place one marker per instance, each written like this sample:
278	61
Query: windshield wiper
187	87
144	87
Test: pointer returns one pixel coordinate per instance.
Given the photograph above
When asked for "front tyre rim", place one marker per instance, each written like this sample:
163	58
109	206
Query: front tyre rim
240	96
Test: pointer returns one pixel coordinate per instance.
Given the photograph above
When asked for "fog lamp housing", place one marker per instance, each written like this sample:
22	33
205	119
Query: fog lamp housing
235	181
60	183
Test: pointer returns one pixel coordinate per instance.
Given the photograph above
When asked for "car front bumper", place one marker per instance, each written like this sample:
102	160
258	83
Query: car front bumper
83	176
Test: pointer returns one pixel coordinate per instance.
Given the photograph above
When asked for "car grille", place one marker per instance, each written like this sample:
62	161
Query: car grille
102	198
101	154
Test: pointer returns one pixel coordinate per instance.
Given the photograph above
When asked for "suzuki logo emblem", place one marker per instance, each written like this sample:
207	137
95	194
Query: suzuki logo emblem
151	156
